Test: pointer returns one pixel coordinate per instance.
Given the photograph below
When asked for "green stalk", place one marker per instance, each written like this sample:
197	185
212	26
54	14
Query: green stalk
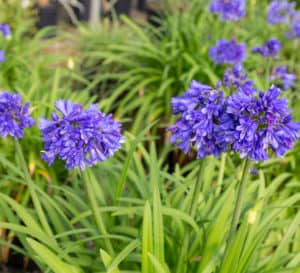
238	205
268	73
221	174
36	202
96	213
192	209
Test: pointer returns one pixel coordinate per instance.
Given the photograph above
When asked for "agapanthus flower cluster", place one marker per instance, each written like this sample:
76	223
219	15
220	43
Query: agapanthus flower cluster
254	124
14	116
200	107
228	9
263	124
294	31
5	29
79	137
236	78
228	52
2	56
269	49
280	12
281	73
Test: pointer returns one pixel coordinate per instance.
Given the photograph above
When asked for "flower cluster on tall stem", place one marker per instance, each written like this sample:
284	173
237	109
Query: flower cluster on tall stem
254	124
79	137
232	10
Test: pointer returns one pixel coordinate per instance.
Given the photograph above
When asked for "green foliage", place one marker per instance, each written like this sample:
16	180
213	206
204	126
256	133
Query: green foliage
148	209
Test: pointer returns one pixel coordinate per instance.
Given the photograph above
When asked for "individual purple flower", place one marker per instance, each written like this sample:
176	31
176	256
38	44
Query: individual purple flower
79	137
263	124
2	56
14	116
269	49
280	11
236	78
281	73
228	52
228	9
200	108
294	31
5	29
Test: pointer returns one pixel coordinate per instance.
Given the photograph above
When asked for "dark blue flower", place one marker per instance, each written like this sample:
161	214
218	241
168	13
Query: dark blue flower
228	9
269	49
263	124
236	78
5	29
200	108
280	11
14	116
228	52
2	56
280	72
79	137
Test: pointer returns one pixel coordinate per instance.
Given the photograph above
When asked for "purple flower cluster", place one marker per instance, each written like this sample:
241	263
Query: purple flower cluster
269	49
199	107
254	124
294	32
280	11
236	78
5	29
283	12
281	73
228	9
2	56
14	116
262	124
79	137
228	52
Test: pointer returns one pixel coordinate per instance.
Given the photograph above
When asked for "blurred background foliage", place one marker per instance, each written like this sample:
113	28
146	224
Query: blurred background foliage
132	68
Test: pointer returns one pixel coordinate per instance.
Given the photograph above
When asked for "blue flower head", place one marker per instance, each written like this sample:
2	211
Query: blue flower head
5	29
262	124
199	108
228	52
14	116
228	9
294	31
280	11
79	137
281	73
269	49
2	56
236	78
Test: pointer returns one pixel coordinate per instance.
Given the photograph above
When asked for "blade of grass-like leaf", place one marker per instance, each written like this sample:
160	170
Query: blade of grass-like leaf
122	255
158	226
158	265
51	259
216	232
147	240
128	159
285	241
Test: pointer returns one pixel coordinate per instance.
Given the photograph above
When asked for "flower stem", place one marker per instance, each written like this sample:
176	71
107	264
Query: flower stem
238	206
95	212
268	73
36	202
192	209
221	174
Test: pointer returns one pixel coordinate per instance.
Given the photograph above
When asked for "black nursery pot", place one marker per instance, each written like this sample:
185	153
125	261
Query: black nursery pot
141	5
83	15
47	15
123	7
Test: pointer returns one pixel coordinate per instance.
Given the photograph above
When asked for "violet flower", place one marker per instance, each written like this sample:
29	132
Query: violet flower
79	137
14	116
